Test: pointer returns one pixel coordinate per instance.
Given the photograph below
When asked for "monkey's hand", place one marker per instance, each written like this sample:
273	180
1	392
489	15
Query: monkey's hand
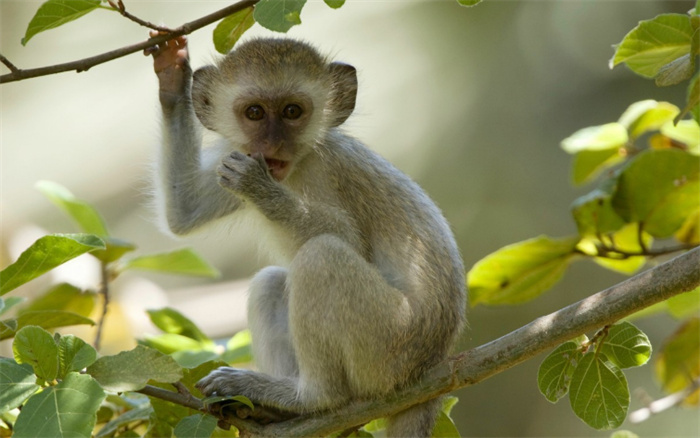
171	64
261	389
247	176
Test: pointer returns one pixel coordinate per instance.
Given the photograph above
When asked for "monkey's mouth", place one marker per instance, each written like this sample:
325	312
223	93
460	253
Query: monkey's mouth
278	168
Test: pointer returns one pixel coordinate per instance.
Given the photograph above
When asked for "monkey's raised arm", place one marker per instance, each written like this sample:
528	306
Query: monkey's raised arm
189	182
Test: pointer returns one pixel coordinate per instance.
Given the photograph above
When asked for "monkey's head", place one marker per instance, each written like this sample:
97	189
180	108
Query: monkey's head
274	97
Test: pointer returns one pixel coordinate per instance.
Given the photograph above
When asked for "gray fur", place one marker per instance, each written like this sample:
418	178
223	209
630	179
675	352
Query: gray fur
370	289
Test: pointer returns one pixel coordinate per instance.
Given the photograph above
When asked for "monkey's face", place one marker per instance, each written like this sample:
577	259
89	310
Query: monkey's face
275	127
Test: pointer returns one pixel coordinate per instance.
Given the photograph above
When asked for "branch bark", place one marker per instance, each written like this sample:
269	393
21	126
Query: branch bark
82	65
681	274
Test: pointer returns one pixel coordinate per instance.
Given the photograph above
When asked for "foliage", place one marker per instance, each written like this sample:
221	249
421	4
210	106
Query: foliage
648	172
648	185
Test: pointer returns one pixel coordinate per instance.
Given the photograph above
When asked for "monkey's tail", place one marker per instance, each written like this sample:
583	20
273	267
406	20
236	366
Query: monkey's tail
415	422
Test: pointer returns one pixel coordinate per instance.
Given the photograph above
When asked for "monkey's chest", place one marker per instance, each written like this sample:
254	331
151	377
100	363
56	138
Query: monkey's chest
274	243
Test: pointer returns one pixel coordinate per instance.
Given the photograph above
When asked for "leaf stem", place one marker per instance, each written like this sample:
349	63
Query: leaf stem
8	64
104	292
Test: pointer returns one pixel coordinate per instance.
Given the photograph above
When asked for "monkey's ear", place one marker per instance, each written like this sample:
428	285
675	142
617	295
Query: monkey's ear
202	81
341	101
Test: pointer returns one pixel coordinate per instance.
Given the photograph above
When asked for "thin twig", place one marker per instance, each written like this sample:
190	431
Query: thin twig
87	63
119	7
7	63
104	293
664	403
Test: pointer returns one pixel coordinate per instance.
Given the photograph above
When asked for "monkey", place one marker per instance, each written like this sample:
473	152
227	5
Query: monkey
367	290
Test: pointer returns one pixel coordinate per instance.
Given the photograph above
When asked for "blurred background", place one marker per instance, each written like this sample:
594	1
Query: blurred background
470	102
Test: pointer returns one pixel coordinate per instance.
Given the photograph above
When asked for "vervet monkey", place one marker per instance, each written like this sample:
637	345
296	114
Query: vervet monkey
369	289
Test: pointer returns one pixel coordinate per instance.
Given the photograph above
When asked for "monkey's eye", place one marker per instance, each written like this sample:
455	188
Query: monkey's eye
255	112
291	111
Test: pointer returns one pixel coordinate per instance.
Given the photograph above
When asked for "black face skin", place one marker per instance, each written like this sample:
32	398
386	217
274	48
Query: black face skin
273	126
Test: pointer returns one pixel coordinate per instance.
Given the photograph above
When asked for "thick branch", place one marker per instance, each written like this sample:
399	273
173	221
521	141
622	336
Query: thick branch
86	63
679	275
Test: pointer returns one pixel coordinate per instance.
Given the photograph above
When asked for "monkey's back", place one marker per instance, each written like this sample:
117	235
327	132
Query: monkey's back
405	235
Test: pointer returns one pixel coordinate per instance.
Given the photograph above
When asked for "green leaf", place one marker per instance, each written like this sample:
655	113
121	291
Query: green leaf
63	297
45	254
230	29
335	4
196	426
693	105
624	434
554	374
74	354
131	416
686	132
659	188
625	241
17	383
168	343
131	370
230	398
8	303
654	43
676	71
444	427
646	116
469	3
678	363
193	375
521	271
689	232
171	321
626	346
684	305
36	347
183	261
45	319
238	348
54	13
116	248
598	393
278	15
65	410
594	214
587	165
87	218
192	359
596	138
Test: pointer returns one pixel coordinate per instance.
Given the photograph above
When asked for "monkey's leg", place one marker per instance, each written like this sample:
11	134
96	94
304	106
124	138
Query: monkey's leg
350	327
268	320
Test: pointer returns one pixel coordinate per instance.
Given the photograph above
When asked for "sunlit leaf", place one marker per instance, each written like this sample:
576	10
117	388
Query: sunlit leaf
623	242
646	116
684	305
54	13
594	214
115	249
521	271
686	132
678	362
624	434
596	138
171	321
689	232
36	347
85	215
17	383
554	374
64	297
659	188
654	43
45	254
130	370
587	165
278	15
230	29
626	346
67	410
46	319
444	427
183	261
598	393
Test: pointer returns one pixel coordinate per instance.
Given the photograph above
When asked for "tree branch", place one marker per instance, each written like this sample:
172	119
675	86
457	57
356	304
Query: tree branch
87	63
676	276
